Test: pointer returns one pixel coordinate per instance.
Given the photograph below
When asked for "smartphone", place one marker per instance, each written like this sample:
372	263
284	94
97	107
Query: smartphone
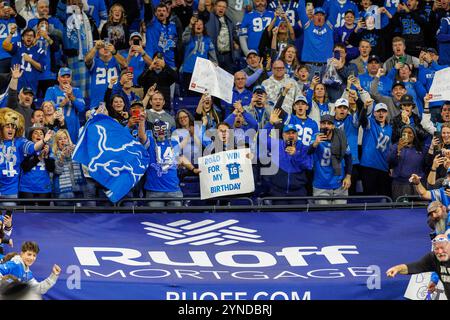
437	134
317	74
324	131
402	59
8	213
136	113
43	27
130	69
136	42
289	143
404	136
337	54
106	41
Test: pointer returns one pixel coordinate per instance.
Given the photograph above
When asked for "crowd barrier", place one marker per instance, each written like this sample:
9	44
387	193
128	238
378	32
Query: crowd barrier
224	204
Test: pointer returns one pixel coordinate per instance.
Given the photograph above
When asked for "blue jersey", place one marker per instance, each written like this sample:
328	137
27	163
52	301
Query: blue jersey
318	41
391	6
376	143
290	8
336	11
5	26
46	74
253	26
350	125
101	73
31	75
4	99
443	41
16	268
12	154
306	128
138	65
324	177
37	180
162	38
341	35
198	46
97	10
71	109
162	171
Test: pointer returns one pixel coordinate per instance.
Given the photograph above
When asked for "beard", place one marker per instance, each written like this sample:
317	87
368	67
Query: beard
441	224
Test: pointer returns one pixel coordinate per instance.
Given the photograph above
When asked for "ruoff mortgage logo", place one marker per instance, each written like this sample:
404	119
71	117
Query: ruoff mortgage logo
202	232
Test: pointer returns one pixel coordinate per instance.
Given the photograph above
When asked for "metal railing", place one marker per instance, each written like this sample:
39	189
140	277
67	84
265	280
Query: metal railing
223	204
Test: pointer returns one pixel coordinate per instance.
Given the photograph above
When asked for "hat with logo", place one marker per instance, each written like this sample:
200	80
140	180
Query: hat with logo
301	98
380	106
64	72
407	99
341	102
319	10
373	58
289	127
327	118
125	71
135	34
259	89
398	83
26	90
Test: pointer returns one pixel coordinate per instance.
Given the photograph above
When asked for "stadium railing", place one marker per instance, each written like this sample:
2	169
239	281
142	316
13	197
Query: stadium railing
222	204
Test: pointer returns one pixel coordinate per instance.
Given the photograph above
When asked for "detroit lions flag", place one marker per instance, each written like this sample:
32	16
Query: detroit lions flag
114	158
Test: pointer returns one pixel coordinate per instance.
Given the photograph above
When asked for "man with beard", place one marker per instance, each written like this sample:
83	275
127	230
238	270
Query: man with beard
437	261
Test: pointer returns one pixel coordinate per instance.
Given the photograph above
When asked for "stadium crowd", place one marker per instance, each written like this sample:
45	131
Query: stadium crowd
337	90
344	85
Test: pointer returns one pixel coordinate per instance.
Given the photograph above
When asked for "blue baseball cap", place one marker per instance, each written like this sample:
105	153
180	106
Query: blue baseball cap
289	127
319	10
64	72
259	88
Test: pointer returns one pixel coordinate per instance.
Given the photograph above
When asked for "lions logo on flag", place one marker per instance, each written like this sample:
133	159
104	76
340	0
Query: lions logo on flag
114	158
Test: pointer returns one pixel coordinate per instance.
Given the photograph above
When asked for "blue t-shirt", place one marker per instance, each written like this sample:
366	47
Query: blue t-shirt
162	38
253	26
12	154
162	171
318	41
324	177
101	73
376	143
31	75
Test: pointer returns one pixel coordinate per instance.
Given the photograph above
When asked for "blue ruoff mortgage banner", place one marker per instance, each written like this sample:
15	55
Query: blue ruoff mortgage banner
226	173
242	256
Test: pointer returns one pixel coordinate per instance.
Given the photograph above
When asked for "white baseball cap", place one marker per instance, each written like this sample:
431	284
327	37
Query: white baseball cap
341	102
380	106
